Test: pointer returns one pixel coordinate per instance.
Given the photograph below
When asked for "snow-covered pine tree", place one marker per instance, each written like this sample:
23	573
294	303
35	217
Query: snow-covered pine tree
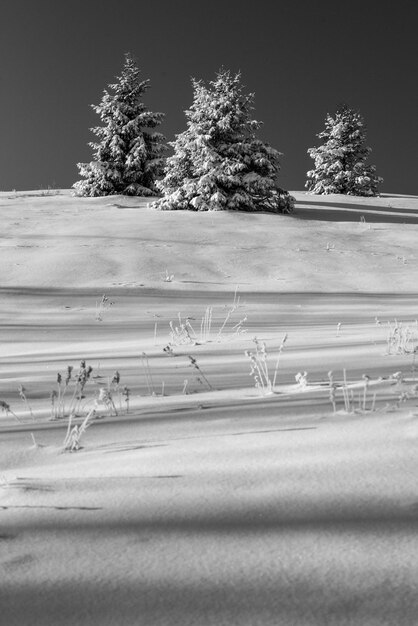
218	162
128	156
340	162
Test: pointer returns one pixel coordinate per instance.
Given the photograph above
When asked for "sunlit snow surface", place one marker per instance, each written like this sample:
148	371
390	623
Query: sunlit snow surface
223	506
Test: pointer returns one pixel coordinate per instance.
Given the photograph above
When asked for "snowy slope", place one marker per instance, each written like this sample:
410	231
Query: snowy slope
63	241
221	506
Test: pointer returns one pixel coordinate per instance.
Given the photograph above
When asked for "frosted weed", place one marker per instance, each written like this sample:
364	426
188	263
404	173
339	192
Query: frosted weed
5	408
302	379
22	395
201	378
167	277
74	434
401	339
259	367
101	306
147	373
185	333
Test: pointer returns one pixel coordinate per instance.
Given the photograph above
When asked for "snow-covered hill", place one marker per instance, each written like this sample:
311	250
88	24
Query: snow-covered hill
210	503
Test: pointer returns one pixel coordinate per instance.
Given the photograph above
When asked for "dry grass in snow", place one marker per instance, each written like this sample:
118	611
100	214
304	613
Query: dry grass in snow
254	461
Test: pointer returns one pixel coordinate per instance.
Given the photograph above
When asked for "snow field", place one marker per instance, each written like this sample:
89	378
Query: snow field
224	506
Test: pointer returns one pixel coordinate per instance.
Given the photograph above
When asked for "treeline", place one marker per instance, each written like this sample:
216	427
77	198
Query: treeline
219	162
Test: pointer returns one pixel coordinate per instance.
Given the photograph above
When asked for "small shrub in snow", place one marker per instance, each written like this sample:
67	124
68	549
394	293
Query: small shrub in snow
168	349
105	398
352	403
281	348
366	379
238	327
332	391
229	328
348	395
201	378
54	405
206	324
259	367
126	397
302	379
340	162
101	306
62	390
74	434
115	386
208	332
167	277
23	397
81	378
78	381
181	334
147	373
5	408
401	338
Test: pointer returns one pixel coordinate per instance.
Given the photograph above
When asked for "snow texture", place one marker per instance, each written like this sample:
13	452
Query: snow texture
220	506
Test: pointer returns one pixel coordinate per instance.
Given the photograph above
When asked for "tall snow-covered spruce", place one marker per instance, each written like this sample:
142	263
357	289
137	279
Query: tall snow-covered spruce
340	162
218	162
128	156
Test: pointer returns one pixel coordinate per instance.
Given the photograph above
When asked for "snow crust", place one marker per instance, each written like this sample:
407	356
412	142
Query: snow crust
221	506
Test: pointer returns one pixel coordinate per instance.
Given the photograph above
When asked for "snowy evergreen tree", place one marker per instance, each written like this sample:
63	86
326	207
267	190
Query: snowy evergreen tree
128	156
218	162
340	162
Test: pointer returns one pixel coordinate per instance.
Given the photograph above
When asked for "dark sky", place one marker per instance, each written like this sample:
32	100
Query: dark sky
300	57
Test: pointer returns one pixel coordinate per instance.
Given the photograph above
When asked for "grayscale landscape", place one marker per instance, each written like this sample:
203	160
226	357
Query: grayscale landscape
261	467
208	313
